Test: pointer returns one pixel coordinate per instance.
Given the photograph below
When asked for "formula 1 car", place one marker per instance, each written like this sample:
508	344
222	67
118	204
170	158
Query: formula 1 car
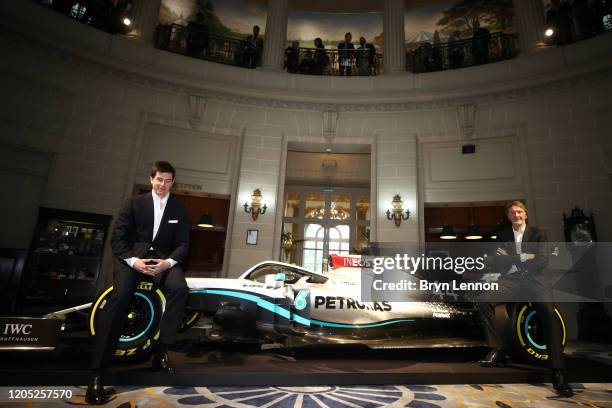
291	306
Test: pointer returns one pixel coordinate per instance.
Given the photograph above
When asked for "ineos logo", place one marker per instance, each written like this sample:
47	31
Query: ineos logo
17	328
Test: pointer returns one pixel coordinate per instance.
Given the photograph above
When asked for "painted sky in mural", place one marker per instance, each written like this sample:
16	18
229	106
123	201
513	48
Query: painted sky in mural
238	16
422	19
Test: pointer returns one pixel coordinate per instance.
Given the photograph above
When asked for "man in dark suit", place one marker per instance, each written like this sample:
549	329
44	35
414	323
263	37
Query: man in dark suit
150	238
365	55
346	53
521	258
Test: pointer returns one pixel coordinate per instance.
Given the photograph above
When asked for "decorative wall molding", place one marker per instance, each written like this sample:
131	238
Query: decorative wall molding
466	116
197	105
121	71
330	123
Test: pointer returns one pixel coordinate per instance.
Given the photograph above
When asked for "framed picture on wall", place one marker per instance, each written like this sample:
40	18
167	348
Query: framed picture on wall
251	238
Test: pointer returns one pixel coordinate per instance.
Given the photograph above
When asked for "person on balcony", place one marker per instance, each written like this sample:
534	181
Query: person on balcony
346	54
321	59
307	63
455	51
365	55
197	37
253	46
480	43
559	18
293	57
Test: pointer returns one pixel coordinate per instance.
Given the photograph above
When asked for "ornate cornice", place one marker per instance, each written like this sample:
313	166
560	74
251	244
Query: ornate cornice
181	86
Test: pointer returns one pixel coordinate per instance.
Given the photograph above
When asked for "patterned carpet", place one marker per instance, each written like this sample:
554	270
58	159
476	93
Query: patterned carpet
413	396
597	395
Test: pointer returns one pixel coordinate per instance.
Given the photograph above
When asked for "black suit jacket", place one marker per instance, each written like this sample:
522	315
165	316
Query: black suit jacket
534	242
133	233
345	51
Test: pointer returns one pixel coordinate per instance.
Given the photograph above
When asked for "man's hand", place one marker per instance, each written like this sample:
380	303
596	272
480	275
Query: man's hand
527	257
160	266
501	251
141	266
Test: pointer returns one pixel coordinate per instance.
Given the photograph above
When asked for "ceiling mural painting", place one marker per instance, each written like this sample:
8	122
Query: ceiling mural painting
424	21
224	17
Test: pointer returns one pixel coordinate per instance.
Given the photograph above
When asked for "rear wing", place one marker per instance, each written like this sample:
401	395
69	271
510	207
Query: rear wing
348	263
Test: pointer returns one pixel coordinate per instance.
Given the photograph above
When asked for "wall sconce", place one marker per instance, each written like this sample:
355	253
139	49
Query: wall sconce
255	209
398	213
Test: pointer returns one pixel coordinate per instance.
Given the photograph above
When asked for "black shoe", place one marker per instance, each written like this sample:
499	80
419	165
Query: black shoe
493	359
95	391
161	362
560	385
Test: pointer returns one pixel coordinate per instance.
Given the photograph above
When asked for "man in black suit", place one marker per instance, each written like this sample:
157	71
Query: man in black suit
150	238
365	55
521	258
346	53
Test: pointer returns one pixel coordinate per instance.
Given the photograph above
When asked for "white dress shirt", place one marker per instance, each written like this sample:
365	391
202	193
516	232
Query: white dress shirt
159	205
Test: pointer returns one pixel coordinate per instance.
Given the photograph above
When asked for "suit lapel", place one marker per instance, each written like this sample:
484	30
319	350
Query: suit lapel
150	215
528	234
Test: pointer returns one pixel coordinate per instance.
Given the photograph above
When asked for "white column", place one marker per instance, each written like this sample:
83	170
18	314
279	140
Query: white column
145	16
529	18
276	35
393	36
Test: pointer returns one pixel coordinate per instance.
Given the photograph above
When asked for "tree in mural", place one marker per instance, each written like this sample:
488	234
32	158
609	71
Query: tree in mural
492	13
212	21
167	15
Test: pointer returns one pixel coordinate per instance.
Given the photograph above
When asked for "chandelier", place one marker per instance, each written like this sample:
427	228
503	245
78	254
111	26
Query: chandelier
335	213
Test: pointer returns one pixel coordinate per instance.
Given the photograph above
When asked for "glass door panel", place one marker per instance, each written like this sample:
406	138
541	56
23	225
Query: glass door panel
340	207
363	208
315	206
314	247
292	205
339	240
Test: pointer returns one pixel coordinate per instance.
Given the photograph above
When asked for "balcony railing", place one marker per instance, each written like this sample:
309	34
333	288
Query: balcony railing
313	61
232	51
217	48
463	53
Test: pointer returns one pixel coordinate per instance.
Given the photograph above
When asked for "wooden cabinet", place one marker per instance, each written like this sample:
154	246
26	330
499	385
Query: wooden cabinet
65	257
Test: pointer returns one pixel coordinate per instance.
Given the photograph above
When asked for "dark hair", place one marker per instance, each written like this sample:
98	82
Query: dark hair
256	27
515	203
349	33
162	167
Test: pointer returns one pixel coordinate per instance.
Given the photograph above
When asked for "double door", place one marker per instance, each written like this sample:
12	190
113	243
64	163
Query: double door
321	240
318	222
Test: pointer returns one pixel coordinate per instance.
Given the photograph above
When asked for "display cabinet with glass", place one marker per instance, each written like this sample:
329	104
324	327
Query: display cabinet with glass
65	256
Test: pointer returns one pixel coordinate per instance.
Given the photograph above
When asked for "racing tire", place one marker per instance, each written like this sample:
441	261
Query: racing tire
143	322
523	331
